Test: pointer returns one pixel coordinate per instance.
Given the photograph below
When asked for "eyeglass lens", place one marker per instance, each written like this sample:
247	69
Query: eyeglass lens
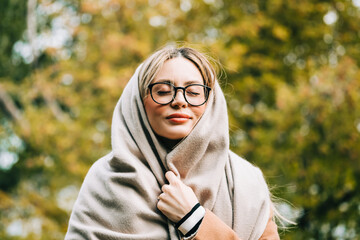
164	93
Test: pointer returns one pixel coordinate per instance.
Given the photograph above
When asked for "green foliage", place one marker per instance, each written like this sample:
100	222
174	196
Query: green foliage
308	144
12	26
291	83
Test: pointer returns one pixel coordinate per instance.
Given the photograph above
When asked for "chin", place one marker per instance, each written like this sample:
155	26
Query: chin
176	135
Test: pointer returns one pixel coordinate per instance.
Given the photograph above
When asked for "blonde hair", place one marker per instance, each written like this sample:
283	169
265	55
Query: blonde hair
153	64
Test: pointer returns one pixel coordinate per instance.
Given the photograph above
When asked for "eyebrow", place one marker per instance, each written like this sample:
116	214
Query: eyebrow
172	82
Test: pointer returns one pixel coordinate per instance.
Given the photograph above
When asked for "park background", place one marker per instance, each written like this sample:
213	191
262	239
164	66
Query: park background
290	75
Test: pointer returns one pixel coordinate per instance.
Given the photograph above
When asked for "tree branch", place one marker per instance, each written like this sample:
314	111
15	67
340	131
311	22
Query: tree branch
14	112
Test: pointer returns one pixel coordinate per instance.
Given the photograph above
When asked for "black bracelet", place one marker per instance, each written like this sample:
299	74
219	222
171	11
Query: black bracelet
194	229
187	215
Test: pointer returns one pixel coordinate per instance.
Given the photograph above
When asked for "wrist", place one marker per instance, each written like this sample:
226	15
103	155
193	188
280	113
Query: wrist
191	220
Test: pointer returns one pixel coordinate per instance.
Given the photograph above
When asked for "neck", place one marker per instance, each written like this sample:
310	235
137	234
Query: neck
169	144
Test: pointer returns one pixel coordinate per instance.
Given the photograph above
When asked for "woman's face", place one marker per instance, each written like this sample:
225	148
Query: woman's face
176	119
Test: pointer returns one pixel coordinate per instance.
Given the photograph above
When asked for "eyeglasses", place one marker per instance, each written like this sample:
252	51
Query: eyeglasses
164	93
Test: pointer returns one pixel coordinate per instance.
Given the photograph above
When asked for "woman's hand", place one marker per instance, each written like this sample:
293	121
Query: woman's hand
176	199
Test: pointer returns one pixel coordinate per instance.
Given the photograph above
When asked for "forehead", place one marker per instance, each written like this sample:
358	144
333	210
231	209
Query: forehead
179	71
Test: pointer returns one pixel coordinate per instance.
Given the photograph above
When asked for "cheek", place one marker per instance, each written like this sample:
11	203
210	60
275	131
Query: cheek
152	109
199	111
149	108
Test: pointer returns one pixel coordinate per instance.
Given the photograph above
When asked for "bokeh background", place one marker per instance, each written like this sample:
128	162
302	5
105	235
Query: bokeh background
290	74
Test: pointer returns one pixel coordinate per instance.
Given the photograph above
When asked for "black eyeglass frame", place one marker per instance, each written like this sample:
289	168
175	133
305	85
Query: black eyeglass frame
207	93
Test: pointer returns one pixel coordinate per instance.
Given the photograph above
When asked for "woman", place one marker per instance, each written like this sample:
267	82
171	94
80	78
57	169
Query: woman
170	174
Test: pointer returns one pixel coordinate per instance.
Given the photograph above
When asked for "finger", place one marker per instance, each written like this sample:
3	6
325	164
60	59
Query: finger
171	177
165	188
164	208
161	205
161	196
165	199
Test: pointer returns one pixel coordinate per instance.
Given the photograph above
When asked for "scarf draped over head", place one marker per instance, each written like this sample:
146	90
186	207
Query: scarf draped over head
119	195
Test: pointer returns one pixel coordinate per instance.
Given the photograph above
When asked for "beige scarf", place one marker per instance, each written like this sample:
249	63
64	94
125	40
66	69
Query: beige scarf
119	195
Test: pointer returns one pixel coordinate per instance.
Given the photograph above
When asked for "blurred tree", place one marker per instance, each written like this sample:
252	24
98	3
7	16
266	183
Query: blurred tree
293	66
308	144
12	26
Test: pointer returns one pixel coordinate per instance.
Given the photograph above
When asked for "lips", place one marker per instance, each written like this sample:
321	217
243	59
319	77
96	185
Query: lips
178	117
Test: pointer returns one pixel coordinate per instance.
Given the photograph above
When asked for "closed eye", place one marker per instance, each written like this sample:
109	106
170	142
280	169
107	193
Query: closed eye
163	93
192	93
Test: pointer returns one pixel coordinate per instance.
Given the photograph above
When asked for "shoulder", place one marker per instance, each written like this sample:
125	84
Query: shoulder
240	164
247	175
94	179
99	167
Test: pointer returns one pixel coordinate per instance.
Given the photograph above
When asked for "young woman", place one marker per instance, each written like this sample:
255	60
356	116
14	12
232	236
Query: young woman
170	174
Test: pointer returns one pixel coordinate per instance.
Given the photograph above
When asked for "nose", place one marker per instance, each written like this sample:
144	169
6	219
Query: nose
179	100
